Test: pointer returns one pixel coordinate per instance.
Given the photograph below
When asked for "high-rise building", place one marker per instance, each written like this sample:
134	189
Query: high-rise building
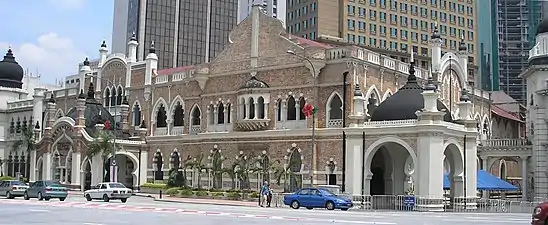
274	8
517	22
391	25
184	32
488	58
119	26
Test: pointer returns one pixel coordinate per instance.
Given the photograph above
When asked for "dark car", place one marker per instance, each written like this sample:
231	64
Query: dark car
317	198
540	214
46	190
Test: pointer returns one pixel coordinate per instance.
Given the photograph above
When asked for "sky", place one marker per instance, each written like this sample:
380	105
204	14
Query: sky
50	37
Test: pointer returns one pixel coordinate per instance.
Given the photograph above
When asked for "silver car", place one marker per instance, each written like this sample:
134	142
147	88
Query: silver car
13	188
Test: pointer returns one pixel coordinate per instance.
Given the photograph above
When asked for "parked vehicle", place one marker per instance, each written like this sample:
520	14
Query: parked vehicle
13	188
108	191
540	214
317	198
46	190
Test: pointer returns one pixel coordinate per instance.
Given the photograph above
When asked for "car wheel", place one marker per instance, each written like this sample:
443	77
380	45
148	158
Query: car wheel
124	200
62	199
40	197
9	195
47	198
309	208
295	204
344	209
88	197
330	205
26	196
105	198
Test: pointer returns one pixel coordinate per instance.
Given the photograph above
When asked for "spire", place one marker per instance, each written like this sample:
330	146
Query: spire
462	45
436	33
143	125
37	126
133	37
91	91
152	49
86	62
51	98
357	91
81	96
430	86
464	96
104	44
411	78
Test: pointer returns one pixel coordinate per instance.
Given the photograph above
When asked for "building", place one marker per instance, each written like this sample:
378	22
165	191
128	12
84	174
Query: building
487	43
20	109
119	26
390	26
254	102
274	8
184	32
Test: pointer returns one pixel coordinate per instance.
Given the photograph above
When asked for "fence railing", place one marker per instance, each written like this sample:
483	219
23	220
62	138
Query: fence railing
414	203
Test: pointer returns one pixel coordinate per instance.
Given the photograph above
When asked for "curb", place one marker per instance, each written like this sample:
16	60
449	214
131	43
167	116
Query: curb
203	203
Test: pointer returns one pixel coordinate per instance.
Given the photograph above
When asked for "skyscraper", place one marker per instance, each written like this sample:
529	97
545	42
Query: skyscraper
488	59
388	25
274	8
185	32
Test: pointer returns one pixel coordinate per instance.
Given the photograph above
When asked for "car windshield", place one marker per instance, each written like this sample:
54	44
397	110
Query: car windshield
116	185
53	184
327	192
18	183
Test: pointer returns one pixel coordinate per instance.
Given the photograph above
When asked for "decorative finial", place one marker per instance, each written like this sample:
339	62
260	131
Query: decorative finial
412	58
464	96
133	37
357	90
430	86
104	44
152	49
436	33
86	62
81	95
143	125
462	45
91	91
37	126
51	98
124	101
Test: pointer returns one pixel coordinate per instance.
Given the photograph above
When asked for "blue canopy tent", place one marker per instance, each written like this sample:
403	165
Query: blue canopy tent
486	182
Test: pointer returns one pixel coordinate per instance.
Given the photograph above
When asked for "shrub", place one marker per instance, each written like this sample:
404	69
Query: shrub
234	195
172	191
217	194
154	185
176	178
186	193
201	193
215	190
254	195
233	191
6	178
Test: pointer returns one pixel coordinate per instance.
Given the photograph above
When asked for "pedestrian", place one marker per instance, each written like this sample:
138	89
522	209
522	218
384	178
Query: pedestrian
264	193
269	196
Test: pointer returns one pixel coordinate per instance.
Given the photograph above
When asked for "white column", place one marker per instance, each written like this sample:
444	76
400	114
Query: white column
524	178
256	108
430	169
76	168
225	116
297	113
169	125
265	110
96	170
284	115
247	108
354	166
47	166
215	117
32	172
471	167
143	167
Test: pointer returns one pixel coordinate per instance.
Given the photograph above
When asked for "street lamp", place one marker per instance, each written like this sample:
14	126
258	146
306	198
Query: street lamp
113	169
313	158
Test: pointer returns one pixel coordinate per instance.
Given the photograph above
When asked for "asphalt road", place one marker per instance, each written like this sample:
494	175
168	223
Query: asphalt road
139	210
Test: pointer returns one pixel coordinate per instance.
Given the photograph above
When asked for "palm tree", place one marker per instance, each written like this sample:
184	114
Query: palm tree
103	144
284	172
27	142
198	165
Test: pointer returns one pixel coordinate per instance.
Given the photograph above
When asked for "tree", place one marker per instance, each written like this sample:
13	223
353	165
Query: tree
176	178
284	172
216	167
103	144
27	142
197	164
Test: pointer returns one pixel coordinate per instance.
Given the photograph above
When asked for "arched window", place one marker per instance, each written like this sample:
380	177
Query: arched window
136	114
119	98
161	118
279	109
179	115
175	160
302	102
228	108
251	106
291	110
211	114
260	105
113	97
107	97
335	108
243	109
295	164
221	113
196	116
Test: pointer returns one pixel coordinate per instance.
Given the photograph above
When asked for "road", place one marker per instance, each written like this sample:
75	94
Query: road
139	210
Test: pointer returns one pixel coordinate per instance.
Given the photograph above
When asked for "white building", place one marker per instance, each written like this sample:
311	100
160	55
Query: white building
274	8
21	107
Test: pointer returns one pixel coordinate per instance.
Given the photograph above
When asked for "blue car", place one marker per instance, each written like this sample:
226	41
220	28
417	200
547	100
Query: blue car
317	198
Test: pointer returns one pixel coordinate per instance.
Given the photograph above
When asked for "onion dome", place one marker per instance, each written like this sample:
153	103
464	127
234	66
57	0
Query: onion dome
464	96
133	37
430	86
11	73
152	49
436	33
462	45
104	44
542	27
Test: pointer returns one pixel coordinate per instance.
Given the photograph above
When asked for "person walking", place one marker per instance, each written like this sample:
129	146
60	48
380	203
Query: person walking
264	193
269	196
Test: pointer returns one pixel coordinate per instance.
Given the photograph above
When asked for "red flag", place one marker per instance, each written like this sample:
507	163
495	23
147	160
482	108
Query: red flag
308	110
107	125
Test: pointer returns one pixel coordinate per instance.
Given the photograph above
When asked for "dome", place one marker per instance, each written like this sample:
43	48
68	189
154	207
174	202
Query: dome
542	27
253	82
404	104
11	73
95	113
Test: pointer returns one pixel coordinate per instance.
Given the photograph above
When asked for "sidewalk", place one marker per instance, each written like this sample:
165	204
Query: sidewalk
207	201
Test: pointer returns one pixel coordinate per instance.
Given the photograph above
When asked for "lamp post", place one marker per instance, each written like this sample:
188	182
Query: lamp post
113	169
313	158
1	167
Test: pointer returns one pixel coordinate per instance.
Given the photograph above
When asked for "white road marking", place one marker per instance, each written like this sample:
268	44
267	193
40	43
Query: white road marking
93	224
39	210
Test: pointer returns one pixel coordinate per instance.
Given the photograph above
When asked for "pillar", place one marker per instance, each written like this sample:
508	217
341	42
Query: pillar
430	172
523	177
76	168
47	166
265	110
143	167
96	169
471	167
225	117
354	166
247	109
32	170
256	108
484	165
